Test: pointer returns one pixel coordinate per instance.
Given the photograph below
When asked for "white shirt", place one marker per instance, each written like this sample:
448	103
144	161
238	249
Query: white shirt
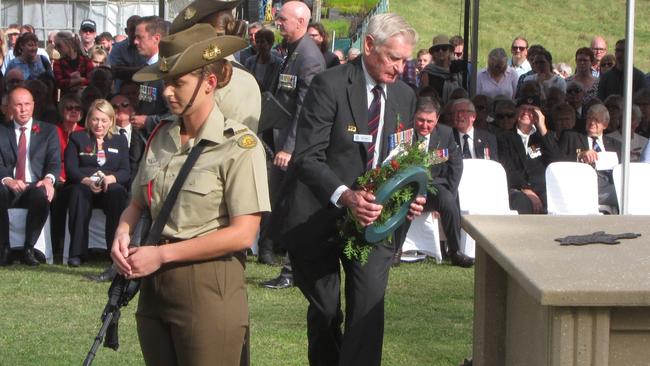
525	137
521	69
470	141
370	84
153	59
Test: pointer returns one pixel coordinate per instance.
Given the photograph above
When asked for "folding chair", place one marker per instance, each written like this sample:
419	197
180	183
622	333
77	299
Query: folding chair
639	195
483	190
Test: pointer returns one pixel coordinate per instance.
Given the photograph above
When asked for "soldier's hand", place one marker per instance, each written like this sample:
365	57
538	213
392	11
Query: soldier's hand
144	260
362	206
120	252
417	207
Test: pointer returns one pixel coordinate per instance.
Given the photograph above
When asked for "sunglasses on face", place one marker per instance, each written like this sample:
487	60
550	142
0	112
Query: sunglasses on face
440	49
607	64
518	48
121	105
73	108
504	115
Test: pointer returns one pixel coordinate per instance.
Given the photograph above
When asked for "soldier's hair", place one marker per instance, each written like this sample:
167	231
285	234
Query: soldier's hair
222	69
382	27
154	25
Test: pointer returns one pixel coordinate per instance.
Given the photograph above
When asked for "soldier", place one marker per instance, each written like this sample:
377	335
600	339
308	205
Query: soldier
192	308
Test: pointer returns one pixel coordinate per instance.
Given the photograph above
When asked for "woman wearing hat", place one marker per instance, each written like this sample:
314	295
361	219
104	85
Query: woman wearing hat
192	308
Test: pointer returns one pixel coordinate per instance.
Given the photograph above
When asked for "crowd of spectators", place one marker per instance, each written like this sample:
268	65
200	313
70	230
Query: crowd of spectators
527	112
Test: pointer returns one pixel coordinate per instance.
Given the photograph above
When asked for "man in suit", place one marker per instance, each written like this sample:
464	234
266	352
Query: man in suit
347	118
304	60
584	147
123	111
525	152
439	138
30	161
479	143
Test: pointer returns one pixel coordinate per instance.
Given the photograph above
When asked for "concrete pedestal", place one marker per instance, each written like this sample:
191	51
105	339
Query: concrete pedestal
539	303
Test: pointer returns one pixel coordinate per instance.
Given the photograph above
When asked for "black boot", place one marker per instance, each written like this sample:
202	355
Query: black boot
28	257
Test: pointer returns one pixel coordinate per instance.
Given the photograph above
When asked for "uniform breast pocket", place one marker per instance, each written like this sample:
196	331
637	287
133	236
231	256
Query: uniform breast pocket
199	199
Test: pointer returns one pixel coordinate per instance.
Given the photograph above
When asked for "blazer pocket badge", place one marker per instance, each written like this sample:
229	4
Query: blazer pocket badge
112	150
288	82
352	128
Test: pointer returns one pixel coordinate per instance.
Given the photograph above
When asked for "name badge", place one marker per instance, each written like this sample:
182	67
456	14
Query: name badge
288	82
362	138
111	150
534	152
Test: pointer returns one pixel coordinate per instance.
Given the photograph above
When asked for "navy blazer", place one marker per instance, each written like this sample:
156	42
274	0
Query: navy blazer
44	150
81	157
326	155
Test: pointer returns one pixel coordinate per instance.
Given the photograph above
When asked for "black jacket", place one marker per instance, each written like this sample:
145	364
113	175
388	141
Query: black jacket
81	157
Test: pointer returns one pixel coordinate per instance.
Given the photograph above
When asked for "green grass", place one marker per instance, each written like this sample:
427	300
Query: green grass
351	6
50	316
561	26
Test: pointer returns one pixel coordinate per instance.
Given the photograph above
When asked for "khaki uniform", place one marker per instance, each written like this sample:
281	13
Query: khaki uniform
241	99
197	313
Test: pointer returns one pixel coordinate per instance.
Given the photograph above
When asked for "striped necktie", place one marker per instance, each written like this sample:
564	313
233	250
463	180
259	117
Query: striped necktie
594	145
466	153
374	112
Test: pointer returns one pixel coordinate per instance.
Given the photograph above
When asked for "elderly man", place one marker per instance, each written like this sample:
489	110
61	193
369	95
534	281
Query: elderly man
612	81
474	143
446	175
599	48
303	62
519	60
347	118
584	147
30	161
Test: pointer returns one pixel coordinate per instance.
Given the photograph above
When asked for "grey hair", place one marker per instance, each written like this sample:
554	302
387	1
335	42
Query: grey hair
466	101
427	105
600	110
498	54
382	27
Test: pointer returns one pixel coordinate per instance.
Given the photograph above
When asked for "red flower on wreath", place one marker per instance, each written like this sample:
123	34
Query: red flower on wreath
36	128
394	164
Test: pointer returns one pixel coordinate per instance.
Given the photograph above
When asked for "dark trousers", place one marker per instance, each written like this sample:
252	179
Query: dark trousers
520	202
35	201
80	204
318	277
446	202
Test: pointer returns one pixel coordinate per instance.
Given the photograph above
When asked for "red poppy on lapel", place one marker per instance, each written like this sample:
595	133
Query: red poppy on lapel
36	128
400	125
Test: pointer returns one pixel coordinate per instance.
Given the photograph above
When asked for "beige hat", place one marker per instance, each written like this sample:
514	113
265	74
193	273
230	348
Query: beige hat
180	53
440	40
198	10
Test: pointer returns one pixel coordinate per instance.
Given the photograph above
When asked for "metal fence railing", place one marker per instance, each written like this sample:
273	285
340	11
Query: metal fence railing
381	7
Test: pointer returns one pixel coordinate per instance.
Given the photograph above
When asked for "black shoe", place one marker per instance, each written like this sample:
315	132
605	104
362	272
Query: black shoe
108	275
397	258
28	258
74	261
461	260
265	258
6	258
279	283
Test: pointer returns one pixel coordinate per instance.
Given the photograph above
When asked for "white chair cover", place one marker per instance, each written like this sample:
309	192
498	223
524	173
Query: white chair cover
483	190
17	221
638	202
423	236
571	189
96	239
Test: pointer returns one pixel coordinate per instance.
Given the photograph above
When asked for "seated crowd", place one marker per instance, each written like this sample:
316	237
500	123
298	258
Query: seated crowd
75	125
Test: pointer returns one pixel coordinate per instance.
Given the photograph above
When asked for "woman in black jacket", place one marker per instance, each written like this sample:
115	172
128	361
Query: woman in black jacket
97	169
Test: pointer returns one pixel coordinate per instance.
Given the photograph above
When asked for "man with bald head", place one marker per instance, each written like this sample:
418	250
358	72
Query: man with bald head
304	60
30	161
599	48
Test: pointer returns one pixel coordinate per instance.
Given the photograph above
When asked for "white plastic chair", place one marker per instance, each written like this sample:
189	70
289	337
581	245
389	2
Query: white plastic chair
639	195
483	190
423	236
17	222
571	189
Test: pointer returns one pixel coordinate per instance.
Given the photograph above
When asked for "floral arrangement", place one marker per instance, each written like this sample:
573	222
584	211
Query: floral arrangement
355	245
